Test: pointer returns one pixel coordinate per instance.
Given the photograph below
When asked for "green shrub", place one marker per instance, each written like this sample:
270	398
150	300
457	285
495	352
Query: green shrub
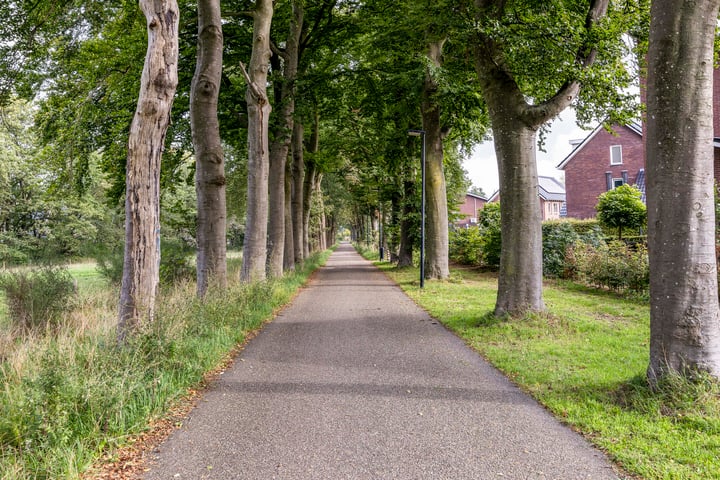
589	232
491	246
621	207
466	246
12	256
479	245
614	266
588	227
634	241
175	265
36	299
557	236
489	224
16	250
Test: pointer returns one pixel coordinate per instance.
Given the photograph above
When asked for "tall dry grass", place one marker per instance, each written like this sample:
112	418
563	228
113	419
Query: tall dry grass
71	393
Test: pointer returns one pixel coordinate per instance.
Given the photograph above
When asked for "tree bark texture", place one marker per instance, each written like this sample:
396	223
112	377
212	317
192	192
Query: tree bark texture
209	158
141	264
289	254
298	179
436	238
393	239
311	178
322	230
316	224
405	252
255	246
280	146
330	230
514	124
684	312
308	187
520	276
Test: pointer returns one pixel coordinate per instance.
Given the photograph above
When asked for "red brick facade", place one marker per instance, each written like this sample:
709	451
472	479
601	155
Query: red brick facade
469	209
588	169
586	166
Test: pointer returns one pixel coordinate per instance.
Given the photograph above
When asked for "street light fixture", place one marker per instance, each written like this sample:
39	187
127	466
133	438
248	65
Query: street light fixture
421	133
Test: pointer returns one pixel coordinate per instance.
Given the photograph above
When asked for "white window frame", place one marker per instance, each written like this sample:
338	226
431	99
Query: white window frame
612	158
615	182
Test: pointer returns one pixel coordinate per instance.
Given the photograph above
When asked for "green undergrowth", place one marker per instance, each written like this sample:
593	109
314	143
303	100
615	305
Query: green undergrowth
585	360
76	396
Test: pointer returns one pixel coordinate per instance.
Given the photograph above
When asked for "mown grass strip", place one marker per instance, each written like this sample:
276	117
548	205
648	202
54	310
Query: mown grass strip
77	396
585	359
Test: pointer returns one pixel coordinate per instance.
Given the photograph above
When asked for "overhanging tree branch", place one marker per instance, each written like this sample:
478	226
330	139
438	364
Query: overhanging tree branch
257	92
539	114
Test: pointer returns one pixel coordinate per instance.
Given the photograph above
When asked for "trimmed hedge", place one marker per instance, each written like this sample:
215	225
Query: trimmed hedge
558	235
614	266
572	249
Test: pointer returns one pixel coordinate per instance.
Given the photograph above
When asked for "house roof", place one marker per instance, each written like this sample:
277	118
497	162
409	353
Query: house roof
474	195
550	189
633	126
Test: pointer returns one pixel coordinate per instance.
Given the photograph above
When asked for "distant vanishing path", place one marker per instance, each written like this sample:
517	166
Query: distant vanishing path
354	381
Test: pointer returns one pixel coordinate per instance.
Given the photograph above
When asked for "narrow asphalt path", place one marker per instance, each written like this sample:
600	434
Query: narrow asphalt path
354	381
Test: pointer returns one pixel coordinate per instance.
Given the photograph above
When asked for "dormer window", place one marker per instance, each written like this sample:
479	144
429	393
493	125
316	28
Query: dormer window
616	155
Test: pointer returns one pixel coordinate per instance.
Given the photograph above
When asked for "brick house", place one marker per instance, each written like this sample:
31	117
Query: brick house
552	198
469	210
601	162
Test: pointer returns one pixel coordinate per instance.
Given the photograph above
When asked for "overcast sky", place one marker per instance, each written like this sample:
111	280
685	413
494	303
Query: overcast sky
482	165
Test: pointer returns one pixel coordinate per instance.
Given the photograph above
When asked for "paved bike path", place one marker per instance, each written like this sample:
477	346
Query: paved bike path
354	381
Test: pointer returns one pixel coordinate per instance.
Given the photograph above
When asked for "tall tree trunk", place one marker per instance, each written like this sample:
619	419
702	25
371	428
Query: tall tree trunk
514	125
209	159
330	231
297	194
392	240
289	254
520	276
317	199
141	264
280	145
322	231
405	253
684	311
255	247
310	173
436	240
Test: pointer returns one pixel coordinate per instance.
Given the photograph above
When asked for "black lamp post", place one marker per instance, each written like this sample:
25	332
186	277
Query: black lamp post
421	133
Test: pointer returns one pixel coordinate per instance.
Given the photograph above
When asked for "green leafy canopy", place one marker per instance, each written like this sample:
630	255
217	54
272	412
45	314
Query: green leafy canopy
621	208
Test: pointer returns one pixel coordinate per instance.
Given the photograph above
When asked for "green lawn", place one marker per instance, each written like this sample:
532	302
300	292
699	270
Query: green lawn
585	359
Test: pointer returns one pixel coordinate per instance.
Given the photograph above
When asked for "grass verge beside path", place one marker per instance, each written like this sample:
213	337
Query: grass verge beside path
76	395
585	360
